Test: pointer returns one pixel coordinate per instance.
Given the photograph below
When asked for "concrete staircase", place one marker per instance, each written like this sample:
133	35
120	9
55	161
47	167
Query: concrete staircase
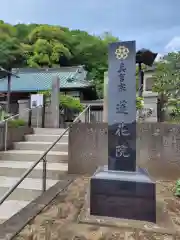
14	163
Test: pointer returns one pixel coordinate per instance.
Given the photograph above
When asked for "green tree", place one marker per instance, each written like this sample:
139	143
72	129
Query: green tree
70	103
97	59
44	45
69	106
47	32
11	50
11	54
107	37
167	82
23	31
7	29
139	103
47	46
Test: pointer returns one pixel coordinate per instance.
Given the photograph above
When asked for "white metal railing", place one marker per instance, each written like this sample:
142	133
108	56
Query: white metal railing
43	158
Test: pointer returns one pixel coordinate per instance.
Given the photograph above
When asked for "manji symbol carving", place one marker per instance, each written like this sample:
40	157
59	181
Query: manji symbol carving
122	52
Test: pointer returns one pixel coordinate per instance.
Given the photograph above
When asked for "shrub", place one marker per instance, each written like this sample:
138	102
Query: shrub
139	103
71	103
175	113
16	123
67	102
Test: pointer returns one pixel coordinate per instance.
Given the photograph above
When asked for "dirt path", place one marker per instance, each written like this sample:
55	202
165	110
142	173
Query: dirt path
59	221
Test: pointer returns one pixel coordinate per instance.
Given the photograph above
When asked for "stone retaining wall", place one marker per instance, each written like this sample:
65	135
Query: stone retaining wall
13	135
158	148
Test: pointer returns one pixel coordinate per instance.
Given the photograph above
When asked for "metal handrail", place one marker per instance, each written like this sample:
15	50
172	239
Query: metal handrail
5	121
43	157
16	115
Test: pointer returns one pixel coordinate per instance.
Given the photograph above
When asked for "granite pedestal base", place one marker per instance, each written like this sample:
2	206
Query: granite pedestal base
128	195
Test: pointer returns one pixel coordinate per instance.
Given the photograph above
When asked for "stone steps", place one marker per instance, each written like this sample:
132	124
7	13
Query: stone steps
29	155
27	190
49	131
14	163
21	194
45	137
40	146
17	169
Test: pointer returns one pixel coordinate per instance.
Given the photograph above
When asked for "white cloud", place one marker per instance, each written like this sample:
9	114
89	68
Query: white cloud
173	45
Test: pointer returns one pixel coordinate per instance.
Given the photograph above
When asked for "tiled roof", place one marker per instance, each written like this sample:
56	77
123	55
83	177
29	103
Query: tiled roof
41	79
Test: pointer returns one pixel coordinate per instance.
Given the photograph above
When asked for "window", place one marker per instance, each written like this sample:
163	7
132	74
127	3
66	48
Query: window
149	84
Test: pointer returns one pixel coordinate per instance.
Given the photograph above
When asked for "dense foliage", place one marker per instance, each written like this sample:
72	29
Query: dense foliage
139	103
15	123
71	103
167	84
42	45
66	102
38	45
177	188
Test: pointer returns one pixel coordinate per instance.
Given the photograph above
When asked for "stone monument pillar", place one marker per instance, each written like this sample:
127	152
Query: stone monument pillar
122	190
105	103
23	106
55	102
122	107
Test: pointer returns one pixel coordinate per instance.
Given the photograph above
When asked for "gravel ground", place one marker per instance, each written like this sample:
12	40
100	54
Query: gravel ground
59	220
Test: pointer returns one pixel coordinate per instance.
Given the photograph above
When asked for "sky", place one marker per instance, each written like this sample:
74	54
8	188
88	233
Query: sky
154	24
